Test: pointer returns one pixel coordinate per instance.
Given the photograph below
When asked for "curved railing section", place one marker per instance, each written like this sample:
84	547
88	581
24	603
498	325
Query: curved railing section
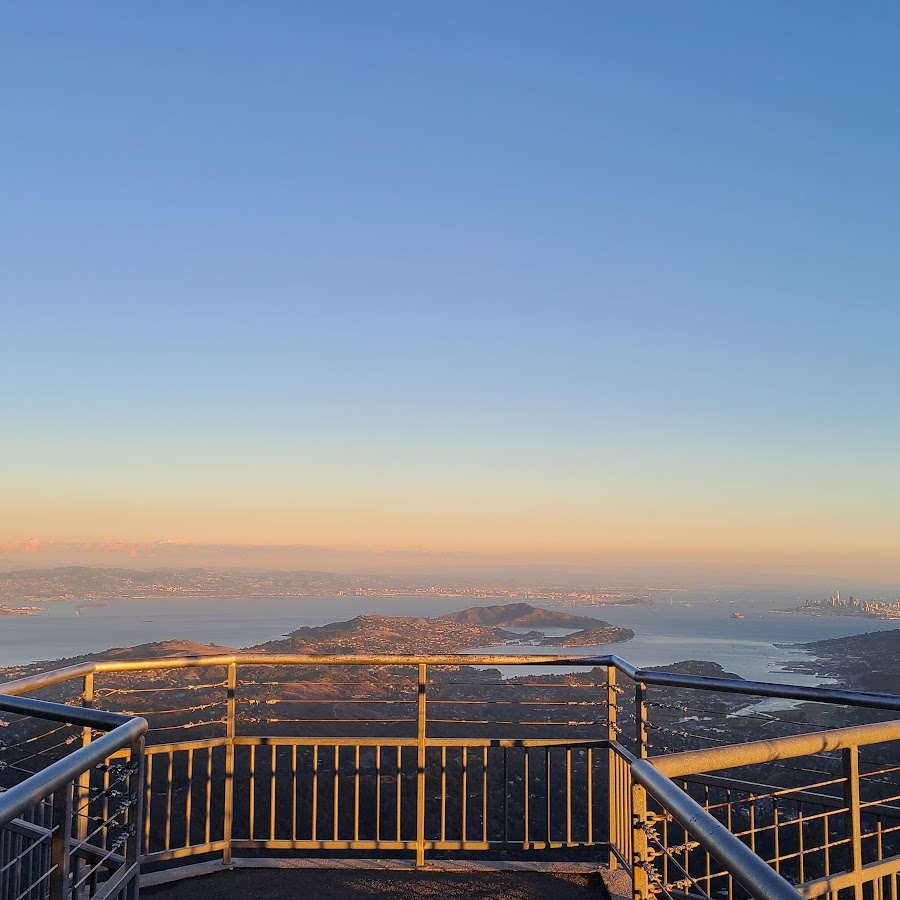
535	759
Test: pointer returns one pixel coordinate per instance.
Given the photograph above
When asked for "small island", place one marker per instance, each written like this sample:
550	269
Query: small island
19	610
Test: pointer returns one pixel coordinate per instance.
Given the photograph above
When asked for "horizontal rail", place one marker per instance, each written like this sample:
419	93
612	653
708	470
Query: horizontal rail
60	712
748	869
796	794
47	679
20	797
658	678
697	762
356	741
770	689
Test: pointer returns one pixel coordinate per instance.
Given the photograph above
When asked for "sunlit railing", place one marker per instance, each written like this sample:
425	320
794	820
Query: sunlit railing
432	758
836	831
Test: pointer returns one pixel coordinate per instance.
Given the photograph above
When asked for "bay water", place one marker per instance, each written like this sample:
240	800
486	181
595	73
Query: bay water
665	632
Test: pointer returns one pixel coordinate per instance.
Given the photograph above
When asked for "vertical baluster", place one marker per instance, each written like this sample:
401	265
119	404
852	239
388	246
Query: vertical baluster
252	786
776	833
135	816
728	826
506	795
356	793
399	792
148	797
230	731
167	843
272	784
420	766
337	791
315	792
850	768
752	825
187	798
589	789
568	795
208	796
640	857
60	843
465	791
525	803
640	717
484	794
294	792
548	791
879	849
102	836
444	792
82	787
378	793
708	859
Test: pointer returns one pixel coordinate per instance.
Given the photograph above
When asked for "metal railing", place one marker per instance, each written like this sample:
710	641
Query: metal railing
68	816
427	758
792	801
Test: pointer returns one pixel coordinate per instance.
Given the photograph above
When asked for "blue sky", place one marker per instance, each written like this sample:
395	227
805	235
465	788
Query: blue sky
365	257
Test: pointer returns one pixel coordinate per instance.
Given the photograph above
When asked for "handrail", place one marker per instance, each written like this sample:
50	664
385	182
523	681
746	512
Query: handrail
696	762
15	800
60	712
751	871
57	676
47	679
770	689
659	678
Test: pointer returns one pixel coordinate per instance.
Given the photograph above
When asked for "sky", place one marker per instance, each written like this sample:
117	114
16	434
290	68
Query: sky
597	284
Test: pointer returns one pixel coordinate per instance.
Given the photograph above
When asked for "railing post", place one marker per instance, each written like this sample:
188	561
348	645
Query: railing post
83	784
640	855
60	844
420	769
640	718
134	847
850	765
611	780
230	703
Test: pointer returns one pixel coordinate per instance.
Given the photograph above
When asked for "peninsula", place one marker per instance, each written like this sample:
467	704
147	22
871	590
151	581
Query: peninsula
861	662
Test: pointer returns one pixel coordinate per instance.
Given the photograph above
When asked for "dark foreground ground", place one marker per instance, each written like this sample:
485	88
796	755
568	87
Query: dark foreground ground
336	884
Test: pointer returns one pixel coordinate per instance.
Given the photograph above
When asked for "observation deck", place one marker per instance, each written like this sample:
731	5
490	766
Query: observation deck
469	776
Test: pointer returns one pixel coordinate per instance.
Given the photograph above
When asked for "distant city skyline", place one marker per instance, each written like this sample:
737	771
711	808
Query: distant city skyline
597	286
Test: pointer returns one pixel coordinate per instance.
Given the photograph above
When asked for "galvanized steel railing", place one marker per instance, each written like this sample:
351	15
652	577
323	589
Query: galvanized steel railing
69	818
254	756
428	765
834	835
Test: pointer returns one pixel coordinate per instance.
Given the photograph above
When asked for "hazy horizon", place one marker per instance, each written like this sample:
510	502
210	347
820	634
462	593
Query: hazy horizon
462	568
599	290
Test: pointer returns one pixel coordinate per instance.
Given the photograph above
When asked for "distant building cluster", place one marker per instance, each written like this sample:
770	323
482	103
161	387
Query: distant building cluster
876	609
